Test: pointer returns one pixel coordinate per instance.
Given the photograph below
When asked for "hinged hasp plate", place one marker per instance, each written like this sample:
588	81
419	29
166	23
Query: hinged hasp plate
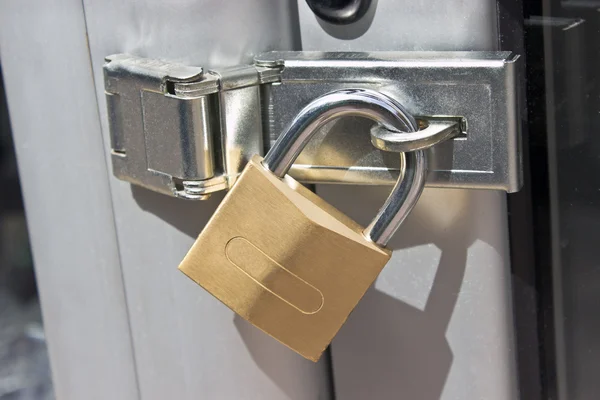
188	131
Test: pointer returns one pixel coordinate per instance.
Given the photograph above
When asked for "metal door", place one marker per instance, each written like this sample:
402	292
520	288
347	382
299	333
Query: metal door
122	322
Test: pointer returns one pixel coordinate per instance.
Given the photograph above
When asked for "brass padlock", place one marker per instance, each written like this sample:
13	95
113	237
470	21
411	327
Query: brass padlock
284	259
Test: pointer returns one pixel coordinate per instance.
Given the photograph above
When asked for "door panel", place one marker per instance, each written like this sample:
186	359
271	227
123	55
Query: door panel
438	321
186	343
64	178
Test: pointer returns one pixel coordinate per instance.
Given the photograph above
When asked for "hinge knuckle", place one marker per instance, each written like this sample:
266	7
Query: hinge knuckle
171	126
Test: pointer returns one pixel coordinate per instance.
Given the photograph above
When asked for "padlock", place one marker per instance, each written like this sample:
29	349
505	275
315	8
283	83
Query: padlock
284	259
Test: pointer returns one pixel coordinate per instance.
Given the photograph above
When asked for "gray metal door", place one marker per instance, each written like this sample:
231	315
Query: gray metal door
122	322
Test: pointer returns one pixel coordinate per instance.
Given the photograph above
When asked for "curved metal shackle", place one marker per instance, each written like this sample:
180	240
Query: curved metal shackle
379	108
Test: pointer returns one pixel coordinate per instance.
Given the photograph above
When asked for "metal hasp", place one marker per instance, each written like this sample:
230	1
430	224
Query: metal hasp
188	132
479	89
181	130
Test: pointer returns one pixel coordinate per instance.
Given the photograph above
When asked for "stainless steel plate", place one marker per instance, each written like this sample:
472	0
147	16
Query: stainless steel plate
479	87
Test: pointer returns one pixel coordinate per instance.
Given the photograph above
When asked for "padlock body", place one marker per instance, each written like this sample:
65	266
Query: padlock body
284	259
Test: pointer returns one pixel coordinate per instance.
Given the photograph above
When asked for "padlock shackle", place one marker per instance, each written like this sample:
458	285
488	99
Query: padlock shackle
379	108
340	103
402	199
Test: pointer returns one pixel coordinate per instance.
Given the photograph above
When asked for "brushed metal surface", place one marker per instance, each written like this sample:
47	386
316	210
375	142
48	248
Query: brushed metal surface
182	130
162	136
186	344
350	102
438	323
156	136
320	254
418	25
242	130
478	87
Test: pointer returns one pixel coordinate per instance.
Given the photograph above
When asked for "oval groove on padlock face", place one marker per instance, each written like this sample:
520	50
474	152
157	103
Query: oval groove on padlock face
272	276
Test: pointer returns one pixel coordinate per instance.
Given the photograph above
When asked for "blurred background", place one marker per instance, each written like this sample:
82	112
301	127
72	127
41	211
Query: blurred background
24	365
